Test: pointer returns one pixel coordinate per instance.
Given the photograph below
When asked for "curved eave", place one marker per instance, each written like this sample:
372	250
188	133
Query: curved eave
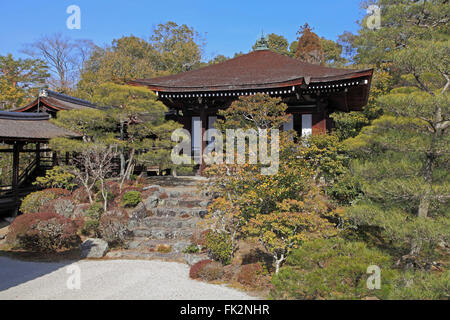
160	87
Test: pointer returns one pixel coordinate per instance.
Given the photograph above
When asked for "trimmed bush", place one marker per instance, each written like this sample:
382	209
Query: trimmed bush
131	199
249	273
80	195
92	222
421	285
331	269
33	202
113	227
43	232
196	268
192	248
211	271
219	246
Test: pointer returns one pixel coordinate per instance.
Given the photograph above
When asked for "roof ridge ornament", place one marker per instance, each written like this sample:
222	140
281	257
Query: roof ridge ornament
262	43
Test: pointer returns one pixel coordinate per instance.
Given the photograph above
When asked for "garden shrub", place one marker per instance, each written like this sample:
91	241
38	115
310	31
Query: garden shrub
211	271
331	269
57	177
192	248
421	285
92	222
63	206
80	195
198	238
109	196
193	272
219	246
249	273
113	227
43	232
33	202
131	199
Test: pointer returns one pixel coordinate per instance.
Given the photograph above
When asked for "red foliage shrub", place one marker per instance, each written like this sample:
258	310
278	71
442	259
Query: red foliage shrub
58	192
196	268
63	206
80	195
43	232
249	273
212	271
114	226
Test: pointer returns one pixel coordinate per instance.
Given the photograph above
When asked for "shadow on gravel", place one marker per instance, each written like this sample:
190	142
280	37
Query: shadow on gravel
19	267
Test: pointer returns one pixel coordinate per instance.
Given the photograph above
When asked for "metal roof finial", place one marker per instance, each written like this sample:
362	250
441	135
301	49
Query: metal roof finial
262	43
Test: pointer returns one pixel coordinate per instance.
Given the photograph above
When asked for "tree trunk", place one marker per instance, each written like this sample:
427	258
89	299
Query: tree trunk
278	263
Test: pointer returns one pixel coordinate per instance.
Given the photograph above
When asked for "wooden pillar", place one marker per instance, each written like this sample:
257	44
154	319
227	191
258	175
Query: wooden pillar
204	119
15	172
54	158
38	155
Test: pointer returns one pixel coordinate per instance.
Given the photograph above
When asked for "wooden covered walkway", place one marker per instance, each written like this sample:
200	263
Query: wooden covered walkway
25	133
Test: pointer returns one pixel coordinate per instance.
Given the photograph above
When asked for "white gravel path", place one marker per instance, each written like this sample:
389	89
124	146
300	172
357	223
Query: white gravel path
103	279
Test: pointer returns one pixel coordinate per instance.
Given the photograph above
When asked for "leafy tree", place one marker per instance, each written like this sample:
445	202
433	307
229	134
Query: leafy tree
179	48
20	79
332	53
126	59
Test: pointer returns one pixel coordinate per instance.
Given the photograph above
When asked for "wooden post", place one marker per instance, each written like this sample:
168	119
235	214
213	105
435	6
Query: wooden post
38	155
204	119
15	172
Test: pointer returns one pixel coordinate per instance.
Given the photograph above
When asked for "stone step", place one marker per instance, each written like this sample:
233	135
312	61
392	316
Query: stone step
183	203
169	222
180	212
143	255
152	245
164	233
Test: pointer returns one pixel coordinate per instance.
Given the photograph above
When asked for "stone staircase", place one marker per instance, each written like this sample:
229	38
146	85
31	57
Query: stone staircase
162	226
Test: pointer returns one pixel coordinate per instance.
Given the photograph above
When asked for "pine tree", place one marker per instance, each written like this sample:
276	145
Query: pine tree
403	160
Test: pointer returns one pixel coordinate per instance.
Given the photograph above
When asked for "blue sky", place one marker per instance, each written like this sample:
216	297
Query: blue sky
229	26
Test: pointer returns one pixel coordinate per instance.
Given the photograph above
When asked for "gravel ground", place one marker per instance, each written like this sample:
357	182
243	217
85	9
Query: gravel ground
103	279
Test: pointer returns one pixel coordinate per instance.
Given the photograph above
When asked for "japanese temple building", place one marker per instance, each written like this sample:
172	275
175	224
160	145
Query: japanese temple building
51	102
312	92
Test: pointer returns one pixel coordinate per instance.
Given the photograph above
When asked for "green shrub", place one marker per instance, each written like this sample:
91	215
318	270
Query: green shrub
109	196
131	199
331	269
92	223
34	201
219	246
421	285
43	232
57	177
192	248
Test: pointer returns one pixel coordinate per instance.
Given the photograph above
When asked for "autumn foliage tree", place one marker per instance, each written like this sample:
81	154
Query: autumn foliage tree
309	48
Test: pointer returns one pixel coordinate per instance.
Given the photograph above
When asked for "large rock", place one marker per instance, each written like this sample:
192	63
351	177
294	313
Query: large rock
193	258
151	202
155	188
94	248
